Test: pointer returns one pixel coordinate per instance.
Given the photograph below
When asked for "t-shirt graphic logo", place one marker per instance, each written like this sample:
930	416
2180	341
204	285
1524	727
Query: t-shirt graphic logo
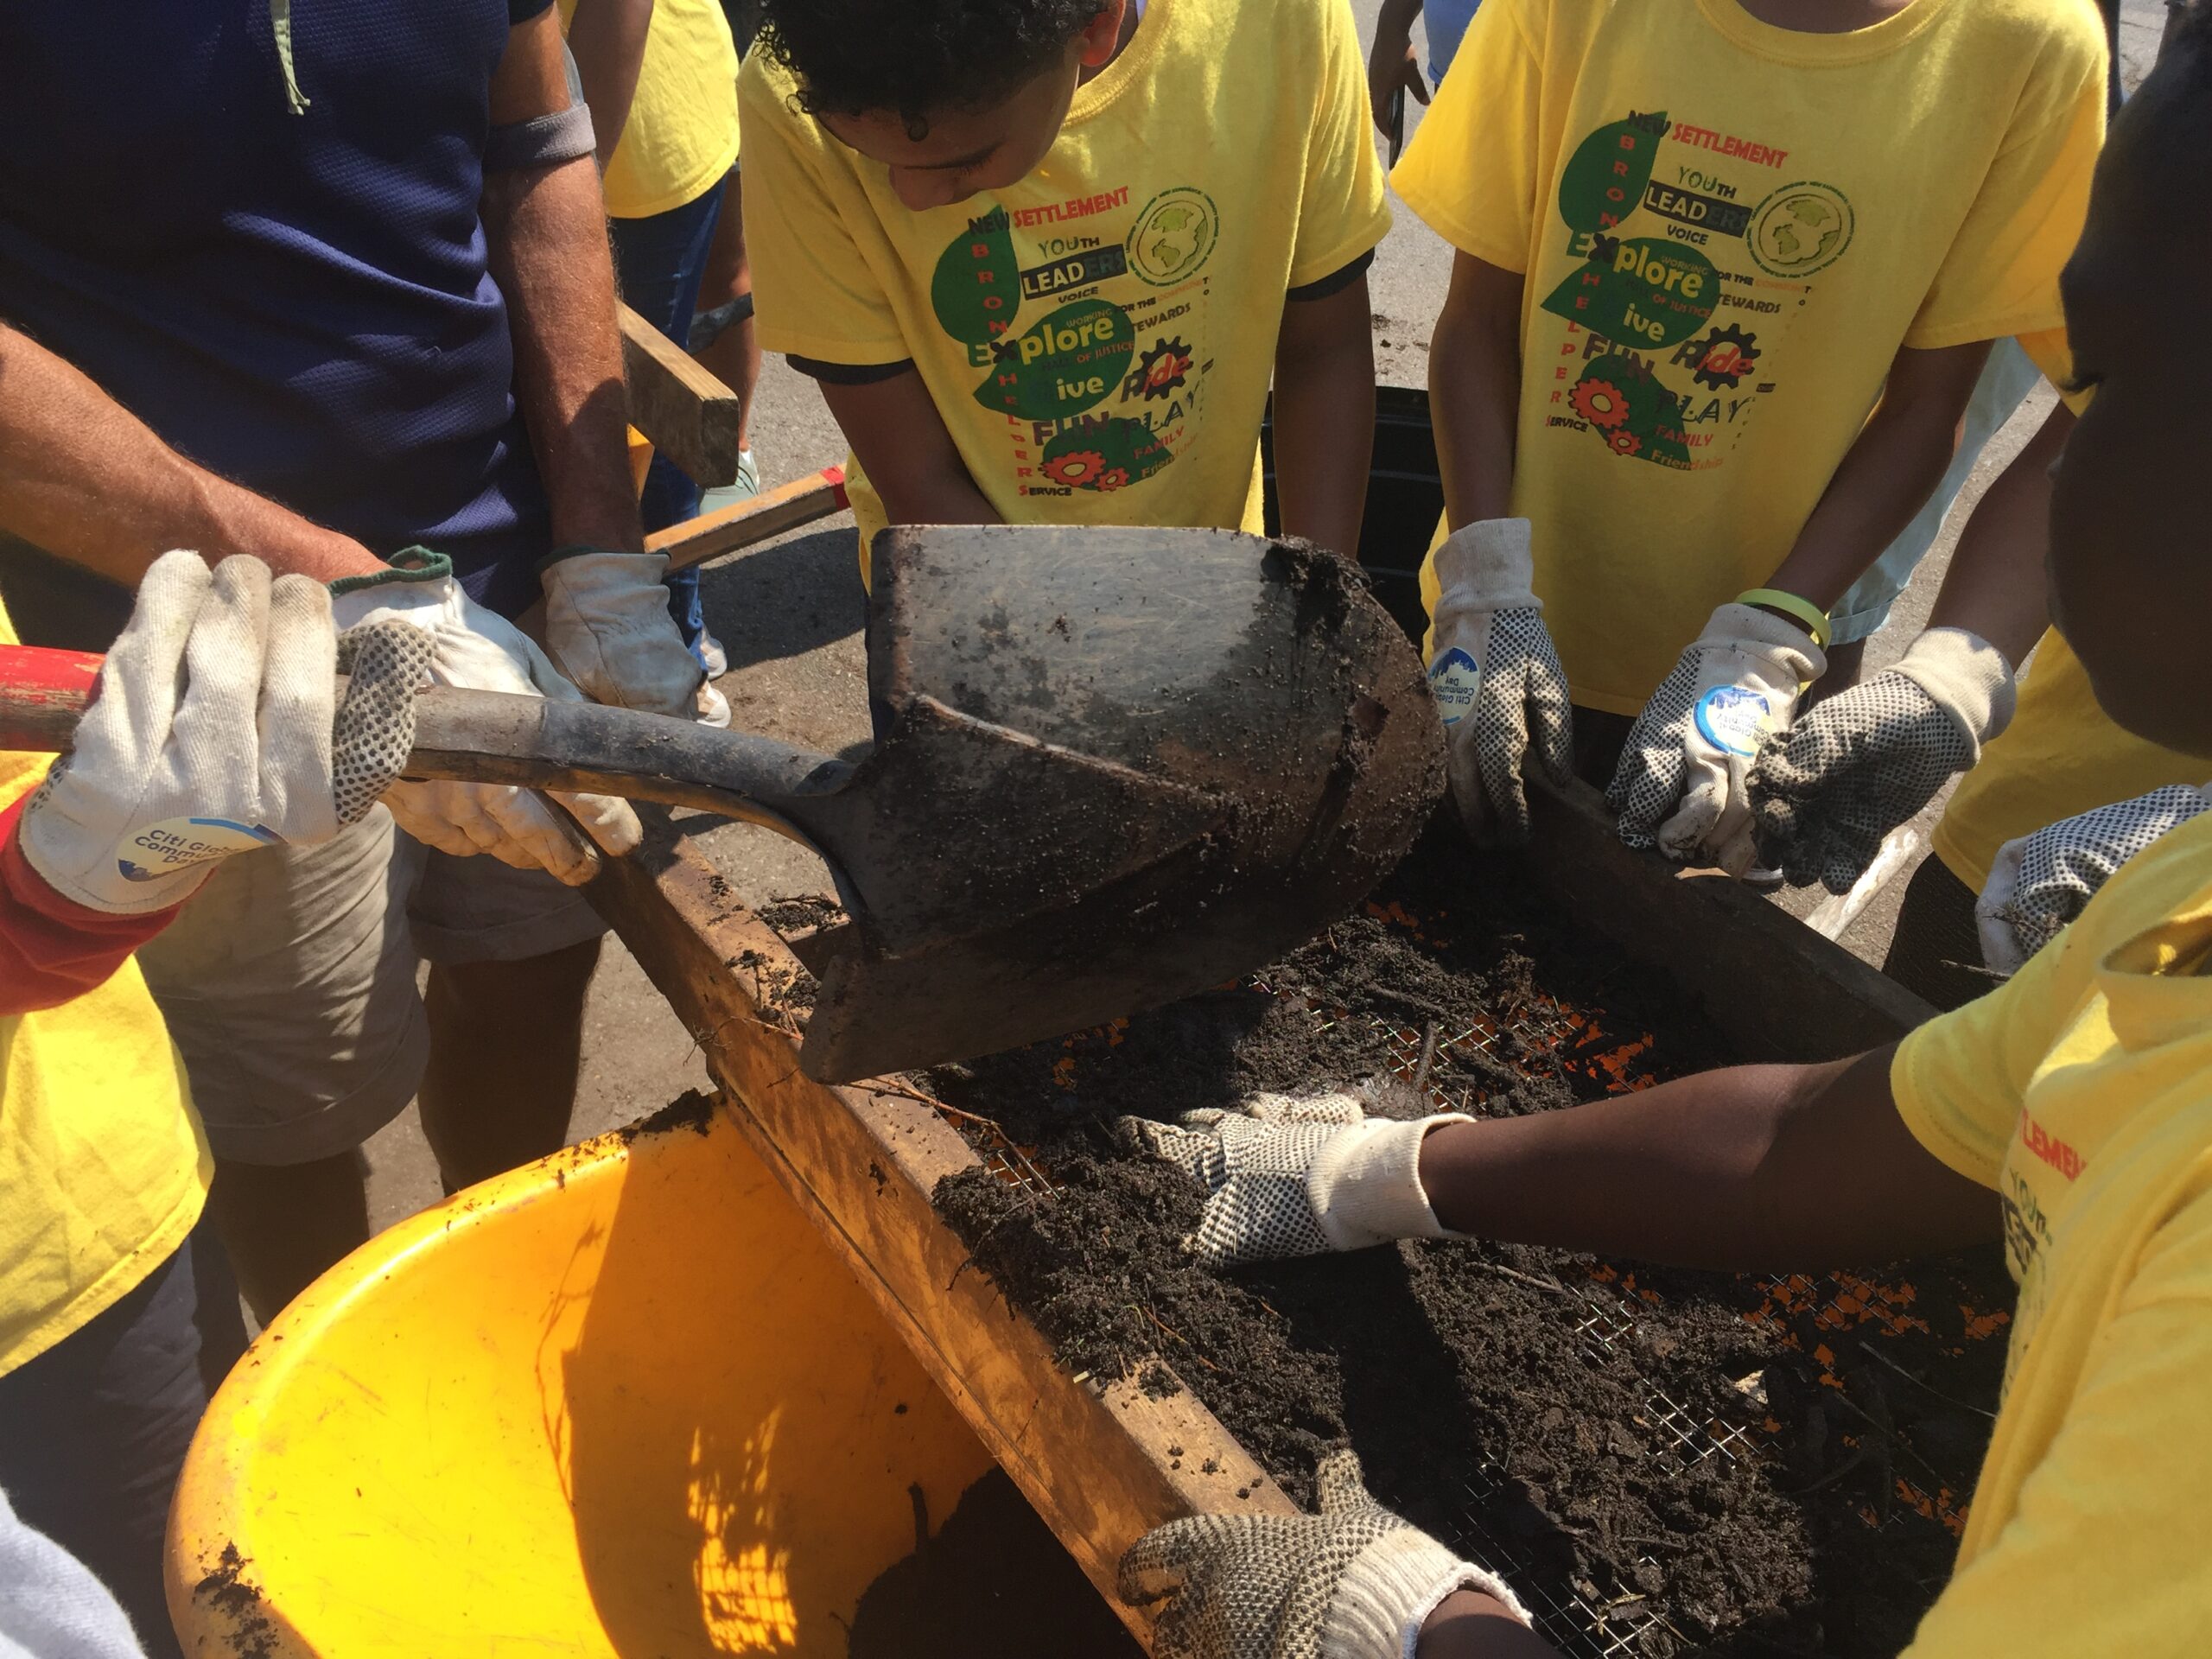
1800	229
1646	304
1059	371
1172	235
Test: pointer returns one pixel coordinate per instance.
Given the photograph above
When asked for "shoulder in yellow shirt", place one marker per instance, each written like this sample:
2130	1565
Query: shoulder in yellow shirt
682	136
2081	1092
1099	338
1728	230
103	1165
2061	755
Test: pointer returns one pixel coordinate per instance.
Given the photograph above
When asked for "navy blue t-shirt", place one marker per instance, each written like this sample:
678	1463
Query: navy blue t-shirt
300	302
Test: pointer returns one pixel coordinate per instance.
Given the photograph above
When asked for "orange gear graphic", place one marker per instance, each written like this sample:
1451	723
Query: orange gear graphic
1078	468
1624	443
1113	478
1599	403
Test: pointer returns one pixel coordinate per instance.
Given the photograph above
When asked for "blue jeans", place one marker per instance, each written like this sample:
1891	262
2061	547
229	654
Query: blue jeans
659	262
93	1431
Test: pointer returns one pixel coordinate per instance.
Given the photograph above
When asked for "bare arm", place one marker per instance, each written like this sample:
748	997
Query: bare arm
1390	63
1995	585
546	227
1474	389
902	445
88	481
1887	475
1752	1168
1325	416
1468	1625
608	38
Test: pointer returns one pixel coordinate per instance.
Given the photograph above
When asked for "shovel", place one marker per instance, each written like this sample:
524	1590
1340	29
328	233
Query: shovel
1114	767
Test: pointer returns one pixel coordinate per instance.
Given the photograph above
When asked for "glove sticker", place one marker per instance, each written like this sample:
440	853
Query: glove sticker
1733	719
177	844
1453	678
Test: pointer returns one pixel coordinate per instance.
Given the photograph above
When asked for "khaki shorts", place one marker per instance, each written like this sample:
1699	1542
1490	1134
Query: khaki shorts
289	981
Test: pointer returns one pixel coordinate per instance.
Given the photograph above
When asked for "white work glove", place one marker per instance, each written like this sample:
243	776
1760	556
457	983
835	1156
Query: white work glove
1681	781
607	628
2040	882
1353	1582
476	650
1498	681
1827	791
216	730
1298	1176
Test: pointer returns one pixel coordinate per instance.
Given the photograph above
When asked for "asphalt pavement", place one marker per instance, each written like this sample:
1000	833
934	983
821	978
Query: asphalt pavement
790	612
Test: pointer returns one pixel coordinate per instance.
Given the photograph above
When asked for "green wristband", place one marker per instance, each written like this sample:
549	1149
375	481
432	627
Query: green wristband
410	564
1804	610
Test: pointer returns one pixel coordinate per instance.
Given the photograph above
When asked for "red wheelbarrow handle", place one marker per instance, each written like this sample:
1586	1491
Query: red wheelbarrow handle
42	694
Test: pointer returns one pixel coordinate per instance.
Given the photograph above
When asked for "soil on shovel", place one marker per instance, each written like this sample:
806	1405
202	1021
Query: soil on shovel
1663	1463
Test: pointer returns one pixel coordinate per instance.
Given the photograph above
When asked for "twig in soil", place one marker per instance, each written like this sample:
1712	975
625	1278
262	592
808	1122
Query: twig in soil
1876	1354
1413	999
1533	1281
1427	1057
1173	1332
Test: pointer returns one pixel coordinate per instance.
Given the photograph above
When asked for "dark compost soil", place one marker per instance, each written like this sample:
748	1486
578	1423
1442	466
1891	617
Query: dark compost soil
1663	1463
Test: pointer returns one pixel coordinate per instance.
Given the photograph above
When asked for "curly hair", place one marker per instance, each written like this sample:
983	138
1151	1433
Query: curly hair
916	57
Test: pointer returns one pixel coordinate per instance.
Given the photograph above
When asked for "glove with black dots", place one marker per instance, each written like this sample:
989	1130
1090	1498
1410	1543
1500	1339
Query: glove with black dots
1292	1176
1497	680
1355	1582
1827	791
1680	783
2040	882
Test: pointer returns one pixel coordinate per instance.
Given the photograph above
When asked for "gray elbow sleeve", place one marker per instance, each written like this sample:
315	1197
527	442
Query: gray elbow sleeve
542	141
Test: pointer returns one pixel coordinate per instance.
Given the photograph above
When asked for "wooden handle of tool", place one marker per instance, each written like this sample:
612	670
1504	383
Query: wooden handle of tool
744	522
496	737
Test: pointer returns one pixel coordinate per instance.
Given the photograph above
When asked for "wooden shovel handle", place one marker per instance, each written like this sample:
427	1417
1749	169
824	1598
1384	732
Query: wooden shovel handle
744	522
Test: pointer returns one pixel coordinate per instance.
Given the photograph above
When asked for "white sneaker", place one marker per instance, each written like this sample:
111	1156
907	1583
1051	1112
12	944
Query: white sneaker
714	707
712	656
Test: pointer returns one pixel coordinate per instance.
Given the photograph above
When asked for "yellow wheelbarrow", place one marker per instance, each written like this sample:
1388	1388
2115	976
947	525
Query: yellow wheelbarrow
624	1401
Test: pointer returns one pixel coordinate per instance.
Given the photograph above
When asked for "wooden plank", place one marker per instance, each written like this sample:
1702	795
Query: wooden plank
691	416
1101	1460
744	522
1776	988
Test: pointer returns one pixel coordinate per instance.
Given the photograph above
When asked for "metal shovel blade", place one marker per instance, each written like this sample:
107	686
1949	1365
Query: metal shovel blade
1122	765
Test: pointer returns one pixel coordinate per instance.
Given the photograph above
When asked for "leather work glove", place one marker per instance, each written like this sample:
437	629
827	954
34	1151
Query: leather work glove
1298	1177
1498	681
1353	1582
2040	882
216	730
472	648
1826	791
1681	781
608	629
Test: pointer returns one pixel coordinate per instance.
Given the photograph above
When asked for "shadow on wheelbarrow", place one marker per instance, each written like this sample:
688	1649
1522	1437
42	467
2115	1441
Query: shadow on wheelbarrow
624	1401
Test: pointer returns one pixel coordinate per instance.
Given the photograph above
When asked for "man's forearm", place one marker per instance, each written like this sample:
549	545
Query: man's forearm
1474	390
547	230
83	478
1766	1167
1995	585
1325	417
1886	476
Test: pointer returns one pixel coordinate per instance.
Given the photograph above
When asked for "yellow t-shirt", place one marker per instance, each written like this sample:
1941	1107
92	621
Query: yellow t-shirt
103	1165
2081	1092
1099	338
2061	755
682	135
1728	229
